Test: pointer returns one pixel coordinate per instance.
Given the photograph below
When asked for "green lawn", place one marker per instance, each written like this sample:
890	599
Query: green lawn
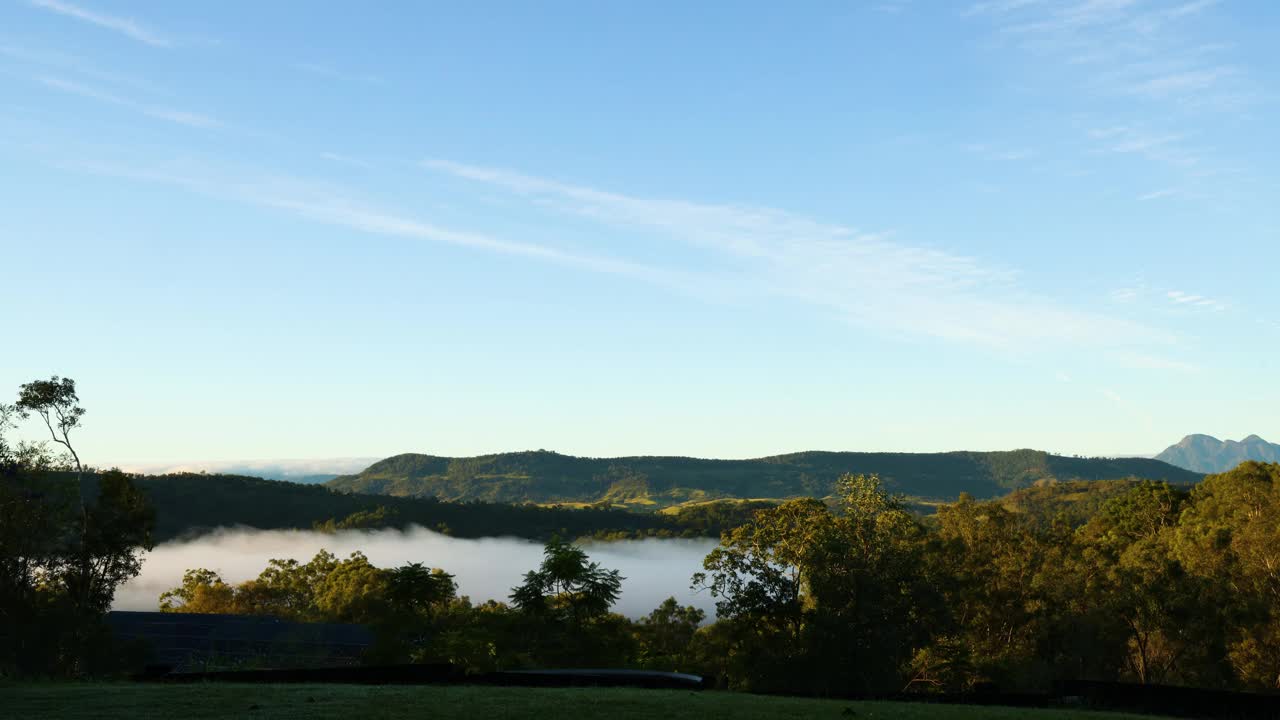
348	702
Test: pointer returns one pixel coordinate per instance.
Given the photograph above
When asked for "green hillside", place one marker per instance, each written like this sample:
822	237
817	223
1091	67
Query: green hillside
548	477
1073	502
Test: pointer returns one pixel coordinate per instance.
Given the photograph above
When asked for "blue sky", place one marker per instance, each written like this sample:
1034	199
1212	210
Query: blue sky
274	230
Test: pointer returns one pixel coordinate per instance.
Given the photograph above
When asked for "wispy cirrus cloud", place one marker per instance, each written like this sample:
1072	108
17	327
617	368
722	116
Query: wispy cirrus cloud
1164	147
1133	59
124	26
327	71
1126	294
1000	152
1141	361
336	209
1165	297
999	7
1158	194
1135	48
1179	297
1155	20
67	63
743	253
341	159
159	112
1178	83
894	7
334	205
867	278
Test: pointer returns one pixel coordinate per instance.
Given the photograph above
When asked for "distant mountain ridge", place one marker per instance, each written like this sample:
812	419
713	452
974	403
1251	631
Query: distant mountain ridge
309	472
548	477
1208	454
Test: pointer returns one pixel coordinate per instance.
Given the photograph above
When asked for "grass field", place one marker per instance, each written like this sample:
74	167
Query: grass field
346	702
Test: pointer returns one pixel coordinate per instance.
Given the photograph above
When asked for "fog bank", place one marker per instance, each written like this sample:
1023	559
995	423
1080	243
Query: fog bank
484	569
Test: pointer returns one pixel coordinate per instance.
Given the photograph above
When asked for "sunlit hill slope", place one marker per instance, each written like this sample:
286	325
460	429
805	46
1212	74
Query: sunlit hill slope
547	477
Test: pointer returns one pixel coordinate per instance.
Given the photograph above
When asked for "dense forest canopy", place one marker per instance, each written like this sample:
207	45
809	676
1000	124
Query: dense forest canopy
548	477
189	504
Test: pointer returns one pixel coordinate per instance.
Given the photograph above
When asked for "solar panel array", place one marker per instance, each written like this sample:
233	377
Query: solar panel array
191	643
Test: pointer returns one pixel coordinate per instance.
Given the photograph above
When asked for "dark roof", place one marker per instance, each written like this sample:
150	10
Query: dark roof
189	641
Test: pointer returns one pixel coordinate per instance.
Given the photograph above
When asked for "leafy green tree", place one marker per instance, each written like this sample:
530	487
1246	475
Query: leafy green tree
202	591
380	517
665	636
1141	513
323	589
986	561
117	529
354	591
62	556
37	527
565	603
56	403
416	588
567	585
822	601
1228	536
1156	610
8	415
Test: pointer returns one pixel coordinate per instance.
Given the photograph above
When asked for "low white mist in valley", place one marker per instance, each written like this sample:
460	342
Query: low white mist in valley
484	569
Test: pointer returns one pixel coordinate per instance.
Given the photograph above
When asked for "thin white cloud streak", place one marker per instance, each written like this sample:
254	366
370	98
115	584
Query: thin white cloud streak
1179	297
346	160
1153	21
182	117
1141	57
1177	84
123	26
337	210
866	277
327	71
333	206
762	233
1000	6
1073	16
1167	148
1000	153
1140	361
894	7
1125	46
70	63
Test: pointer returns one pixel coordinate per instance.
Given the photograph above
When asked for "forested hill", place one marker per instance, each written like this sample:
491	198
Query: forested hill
545	477
191	504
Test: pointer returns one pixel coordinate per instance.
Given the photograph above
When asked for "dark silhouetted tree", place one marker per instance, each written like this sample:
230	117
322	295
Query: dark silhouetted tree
567	585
